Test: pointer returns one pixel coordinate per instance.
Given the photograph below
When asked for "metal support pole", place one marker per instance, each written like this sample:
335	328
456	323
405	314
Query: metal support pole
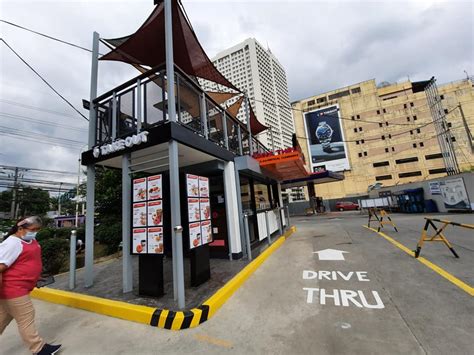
247	116
127	267
114	116
224	125
169	61
90	196
76	222
267	224
72	260
205	128
139	105
247	236
288	224
243	240
239	137
280	220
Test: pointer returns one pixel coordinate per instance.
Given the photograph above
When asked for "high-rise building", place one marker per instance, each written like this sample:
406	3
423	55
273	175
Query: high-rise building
255	70
385	134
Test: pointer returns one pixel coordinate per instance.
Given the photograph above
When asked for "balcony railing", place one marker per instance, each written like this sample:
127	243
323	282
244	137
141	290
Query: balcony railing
142	103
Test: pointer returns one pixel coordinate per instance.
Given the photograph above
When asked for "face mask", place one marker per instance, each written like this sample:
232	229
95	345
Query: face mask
29	236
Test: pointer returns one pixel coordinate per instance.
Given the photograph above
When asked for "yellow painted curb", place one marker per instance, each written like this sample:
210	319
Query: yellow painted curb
161	318
462	285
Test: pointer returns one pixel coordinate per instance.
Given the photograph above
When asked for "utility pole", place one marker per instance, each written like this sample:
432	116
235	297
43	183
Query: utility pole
466	127
14	195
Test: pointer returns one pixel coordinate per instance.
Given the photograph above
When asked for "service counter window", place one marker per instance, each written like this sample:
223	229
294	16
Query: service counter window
262	196
245	195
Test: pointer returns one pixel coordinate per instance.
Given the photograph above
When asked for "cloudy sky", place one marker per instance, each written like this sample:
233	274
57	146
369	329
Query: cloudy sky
322	44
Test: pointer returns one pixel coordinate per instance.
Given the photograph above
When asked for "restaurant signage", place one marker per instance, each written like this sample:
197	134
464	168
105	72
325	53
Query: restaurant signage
120	144
199	210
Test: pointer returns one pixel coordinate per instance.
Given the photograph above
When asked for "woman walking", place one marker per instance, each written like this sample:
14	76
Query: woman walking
20	270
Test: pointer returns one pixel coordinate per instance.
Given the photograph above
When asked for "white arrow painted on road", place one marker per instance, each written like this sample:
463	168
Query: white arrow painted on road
330	254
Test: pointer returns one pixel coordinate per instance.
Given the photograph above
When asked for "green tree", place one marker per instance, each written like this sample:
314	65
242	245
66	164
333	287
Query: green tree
5	200
33	201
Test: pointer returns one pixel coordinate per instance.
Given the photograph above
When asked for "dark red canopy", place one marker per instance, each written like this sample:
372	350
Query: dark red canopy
146	47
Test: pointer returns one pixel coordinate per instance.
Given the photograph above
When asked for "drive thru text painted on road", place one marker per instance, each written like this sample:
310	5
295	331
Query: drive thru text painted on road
344	298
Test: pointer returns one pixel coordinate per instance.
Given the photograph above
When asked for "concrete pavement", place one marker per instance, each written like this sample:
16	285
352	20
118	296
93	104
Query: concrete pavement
377	300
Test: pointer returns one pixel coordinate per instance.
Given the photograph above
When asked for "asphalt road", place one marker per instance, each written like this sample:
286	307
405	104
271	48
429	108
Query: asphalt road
377	300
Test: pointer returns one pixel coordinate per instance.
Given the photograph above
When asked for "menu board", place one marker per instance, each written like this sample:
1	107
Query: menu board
155	213
192	185
155	240
203	186
139	241
206	232
147	213
154	187
199	210
139	214
139	190
194	235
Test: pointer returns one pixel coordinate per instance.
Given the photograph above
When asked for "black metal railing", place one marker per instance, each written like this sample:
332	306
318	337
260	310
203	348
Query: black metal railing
141	103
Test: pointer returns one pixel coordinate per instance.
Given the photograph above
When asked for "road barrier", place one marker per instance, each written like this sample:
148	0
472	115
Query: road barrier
438	236
379	218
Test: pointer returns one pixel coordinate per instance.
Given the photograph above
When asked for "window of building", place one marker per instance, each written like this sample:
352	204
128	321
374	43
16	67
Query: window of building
433	156
321	99
389	136
383	137
362	141
365	154
450	124
453	139
381	163
338	95
422	144
386	123
355	90
380	124
413	173
360	129
384	111
357	142
393	149
360	155
414	118
311	102
404	105
437	171
355	130
411	132
352	118
414	145
386	150
441	97
412	104
406	160
418	130
358	117
408	119
383	177
378	112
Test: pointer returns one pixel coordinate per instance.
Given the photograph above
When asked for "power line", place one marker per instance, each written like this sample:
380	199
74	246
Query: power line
16	131
44	80
37	121
16	136
36	169
36	108
47	36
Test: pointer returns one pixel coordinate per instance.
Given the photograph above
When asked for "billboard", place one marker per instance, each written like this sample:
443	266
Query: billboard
454	194
325	138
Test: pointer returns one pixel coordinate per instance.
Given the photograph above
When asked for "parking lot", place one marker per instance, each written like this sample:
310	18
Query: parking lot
365	295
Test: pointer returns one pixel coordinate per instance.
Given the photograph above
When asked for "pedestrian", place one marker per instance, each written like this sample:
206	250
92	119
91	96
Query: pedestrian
20	270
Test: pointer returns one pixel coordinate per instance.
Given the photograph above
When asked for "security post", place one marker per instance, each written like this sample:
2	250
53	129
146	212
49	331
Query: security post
438	236
72	260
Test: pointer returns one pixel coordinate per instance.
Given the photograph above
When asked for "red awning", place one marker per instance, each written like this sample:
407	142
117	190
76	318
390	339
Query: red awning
146	47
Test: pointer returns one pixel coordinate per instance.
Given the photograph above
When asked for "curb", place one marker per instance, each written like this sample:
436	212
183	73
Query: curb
161	318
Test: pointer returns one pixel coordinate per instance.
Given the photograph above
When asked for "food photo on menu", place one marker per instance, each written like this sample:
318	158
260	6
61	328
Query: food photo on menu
206	232
155	240
203	186
194	235
194	213
154	187
139	190
139	214
192	183
139	241
155	213
205	208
